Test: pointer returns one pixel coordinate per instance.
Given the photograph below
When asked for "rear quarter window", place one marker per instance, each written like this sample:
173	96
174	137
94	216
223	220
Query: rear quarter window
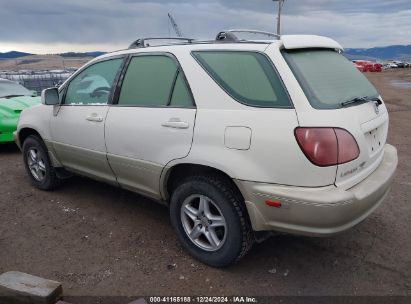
248	77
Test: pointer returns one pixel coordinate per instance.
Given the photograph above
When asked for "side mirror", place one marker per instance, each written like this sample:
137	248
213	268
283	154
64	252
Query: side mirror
34	94
50	96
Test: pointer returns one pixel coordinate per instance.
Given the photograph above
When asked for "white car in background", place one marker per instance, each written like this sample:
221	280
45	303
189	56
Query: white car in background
237	137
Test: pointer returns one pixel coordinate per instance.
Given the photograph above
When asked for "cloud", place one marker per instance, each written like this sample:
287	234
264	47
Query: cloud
51	26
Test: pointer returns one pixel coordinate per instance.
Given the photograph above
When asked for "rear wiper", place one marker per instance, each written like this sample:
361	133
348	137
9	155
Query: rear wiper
360	100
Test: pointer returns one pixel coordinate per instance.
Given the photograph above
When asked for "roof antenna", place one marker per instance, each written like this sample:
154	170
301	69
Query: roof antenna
280	6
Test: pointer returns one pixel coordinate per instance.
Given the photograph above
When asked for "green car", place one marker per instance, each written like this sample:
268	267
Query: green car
14	98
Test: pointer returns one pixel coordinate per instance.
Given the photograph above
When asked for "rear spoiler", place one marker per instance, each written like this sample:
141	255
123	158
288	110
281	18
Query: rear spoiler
309	41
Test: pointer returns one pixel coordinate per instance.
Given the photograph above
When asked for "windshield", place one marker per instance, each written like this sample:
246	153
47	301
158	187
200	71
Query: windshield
9	88
328	78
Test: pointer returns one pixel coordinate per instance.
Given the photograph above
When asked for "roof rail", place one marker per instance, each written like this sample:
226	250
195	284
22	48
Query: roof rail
142	42
229	35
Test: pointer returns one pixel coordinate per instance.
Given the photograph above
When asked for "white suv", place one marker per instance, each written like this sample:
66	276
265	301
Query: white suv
237	137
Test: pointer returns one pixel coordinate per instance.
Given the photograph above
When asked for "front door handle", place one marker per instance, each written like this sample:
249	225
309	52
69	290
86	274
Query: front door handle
95	118
175	123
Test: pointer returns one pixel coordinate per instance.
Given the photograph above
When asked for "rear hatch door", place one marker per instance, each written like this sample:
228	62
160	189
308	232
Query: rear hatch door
339	96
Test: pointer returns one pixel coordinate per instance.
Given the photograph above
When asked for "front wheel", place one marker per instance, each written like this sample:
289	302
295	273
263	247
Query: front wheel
211	220
37	163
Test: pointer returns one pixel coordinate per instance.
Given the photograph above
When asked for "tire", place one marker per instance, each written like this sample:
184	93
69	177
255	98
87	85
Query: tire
38	166
220	234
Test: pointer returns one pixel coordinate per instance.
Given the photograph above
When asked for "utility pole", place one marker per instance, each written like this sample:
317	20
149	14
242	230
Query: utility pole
280	6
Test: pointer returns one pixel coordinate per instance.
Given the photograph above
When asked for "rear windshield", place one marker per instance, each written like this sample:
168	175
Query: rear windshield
328	78
248	77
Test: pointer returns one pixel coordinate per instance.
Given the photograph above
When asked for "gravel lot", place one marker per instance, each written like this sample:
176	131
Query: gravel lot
99	240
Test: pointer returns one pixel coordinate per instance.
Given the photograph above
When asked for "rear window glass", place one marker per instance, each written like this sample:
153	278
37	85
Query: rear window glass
328	78
248	77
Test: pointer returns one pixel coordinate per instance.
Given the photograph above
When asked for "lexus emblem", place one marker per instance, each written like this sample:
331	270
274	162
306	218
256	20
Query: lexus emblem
376	109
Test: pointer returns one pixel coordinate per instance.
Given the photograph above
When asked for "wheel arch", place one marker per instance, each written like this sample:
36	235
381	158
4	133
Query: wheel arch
174	175
26	132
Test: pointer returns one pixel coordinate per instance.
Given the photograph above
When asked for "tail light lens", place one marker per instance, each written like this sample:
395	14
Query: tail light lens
327	146
347	146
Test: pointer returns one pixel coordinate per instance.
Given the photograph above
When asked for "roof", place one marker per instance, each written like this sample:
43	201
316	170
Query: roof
285	41
197	45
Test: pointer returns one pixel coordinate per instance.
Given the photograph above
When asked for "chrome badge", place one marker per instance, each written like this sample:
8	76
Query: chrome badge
376	109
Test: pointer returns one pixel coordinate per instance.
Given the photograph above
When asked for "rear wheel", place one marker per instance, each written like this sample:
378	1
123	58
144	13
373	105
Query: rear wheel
37	163
211	220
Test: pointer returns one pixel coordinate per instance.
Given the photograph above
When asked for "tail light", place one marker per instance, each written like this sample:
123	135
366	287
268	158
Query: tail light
327	146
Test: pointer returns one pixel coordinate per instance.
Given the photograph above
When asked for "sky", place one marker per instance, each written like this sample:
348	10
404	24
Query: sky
54	26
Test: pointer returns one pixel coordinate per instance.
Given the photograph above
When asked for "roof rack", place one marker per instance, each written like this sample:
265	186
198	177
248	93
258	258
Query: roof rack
229	35
142	42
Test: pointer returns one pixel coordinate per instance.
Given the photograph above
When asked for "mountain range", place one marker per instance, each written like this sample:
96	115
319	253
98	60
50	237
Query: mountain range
15	54
391	52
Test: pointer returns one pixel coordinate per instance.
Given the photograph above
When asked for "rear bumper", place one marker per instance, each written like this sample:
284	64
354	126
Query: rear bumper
318	211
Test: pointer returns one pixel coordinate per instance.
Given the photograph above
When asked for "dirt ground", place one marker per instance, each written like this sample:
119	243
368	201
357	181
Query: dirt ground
99	240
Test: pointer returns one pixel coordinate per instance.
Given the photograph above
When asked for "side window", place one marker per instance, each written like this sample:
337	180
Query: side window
248	77
93	85
181	97
154	81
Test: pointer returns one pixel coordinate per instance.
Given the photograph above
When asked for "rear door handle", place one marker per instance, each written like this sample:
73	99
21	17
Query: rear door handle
94	118
175	123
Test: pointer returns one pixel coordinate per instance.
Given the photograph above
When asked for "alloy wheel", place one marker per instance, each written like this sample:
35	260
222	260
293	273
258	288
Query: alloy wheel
203	222
36	164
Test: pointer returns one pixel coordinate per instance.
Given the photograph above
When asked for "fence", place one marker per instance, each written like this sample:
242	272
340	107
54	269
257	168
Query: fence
37	82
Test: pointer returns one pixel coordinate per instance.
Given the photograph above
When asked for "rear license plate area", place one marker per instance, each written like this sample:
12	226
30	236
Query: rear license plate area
374	140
